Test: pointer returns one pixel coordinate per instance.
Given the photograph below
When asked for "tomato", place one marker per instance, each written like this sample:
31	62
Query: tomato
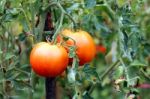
86	48
48	60
100	49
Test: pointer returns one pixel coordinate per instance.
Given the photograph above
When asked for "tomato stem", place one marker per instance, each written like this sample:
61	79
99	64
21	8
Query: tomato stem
74	42
63	13
58	29
68	15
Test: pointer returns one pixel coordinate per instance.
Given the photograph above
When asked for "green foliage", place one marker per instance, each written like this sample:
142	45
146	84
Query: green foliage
123	21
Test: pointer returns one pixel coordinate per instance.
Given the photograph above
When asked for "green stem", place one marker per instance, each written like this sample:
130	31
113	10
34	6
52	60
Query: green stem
32	84
126	70
75	61
49	5
33	32
69	16
32	17
92	88
58	28
19	70
145	75
41	27
104	75
4	89
74	42
63	12
109	69
26	17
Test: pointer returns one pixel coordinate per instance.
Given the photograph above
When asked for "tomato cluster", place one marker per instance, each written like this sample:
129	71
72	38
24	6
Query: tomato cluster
86	49
51	60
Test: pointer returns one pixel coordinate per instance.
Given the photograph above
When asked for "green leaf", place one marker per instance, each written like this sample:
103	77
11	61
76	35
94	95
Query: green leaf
8	17
132	75
107	10
10	75
121	2
9	56
2	5
90	3
90	73
1	96
10	14
24	24
89	70
73	7
22	37
21	84
125	38
138	63
71	75
13	11
134	90
87	96
118	72
1	52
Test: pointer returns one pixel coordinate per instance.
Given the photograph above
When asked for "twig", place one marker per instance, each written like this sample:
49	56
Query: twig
109	69
104	75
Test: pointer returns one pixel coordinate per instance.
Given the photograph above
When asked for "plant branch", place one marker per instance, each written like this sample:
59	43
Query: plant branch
109	69
58	29
144	74
104	75
126	71
63	12
41	26
26	17
69	16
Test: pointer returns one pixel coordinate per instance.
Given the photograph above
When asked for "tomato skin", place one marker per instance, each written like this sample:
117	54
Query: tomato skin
48	60
100	49
86	48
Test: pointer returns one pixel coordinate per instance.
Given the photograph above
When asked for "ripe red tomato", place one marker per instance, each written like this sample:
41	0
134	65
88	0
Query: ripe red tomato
86	48
100	49
48	60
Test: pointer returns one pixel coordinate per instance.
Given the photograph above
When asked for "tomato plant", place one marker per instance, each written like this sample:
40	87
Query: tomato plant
48	60
119	26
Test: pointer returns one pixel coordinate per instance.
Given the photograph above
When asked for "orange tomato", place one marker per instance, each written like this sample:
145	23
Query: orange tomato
48	60
86	48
